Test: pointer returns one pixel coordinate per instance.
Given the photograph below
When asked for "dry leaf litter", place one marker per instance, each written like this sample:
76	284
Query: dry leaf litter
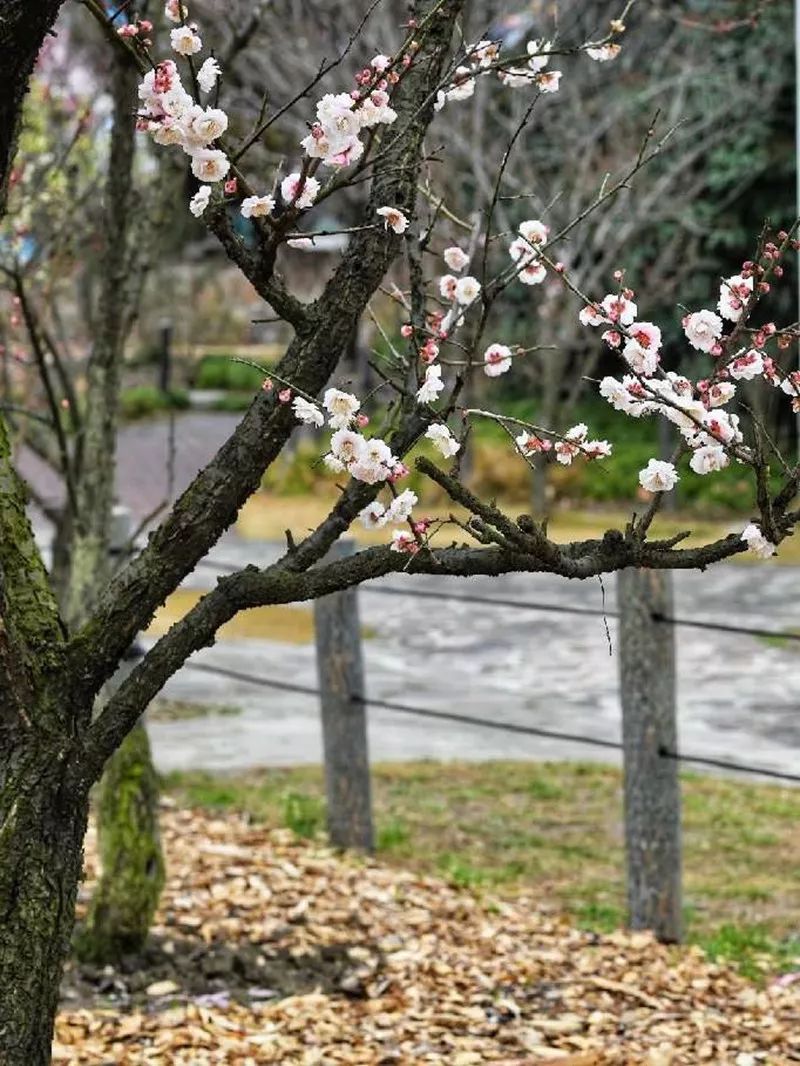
271	950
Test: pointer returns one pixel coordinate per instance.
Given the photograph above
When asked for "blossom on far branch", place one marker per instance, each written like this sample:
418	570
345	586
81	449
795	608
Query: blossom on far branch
756	542
394	219
658	476
442	439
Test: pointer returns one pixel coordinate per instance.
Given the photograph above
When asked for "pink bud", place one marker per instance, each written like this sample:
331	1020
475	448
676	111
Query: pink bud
362	420
778	271
285	395
559	268
763	286
407	330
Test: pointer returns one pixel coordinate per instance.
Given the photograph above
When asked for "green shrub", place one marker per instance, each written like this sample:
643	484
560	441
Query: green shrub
143	400
221	372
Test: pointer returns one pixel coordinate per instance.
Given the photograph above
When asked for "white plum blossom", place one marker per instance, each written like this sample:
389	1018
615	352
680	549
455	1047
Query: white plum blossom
185	41
207	125
590	316
467	290
463	85
442	439
709	458
538	61
757	542
306	412
399	510
342	408
403	541
641	348
747	365
394	219
380	62
496	360
549	81
373	516
530	444
456	258
703	329
733	295
208	73
721	392
290	187
533	273
604	52
516	77
175	11
375	110
209	164
534	231
658	476
432	385
571	444
619	309
484	53
199	202
447	286
257	206
334	464
597	449
347	446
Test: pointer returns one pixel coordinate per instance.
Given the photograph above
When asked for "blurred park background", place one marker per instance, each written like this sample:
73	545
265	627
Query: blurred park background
200	344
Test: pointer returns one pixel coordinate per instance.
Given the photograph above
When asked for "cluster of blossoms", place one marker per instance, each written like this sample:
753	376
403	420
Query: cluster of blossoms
140	28
484	57
697	409
575	442
368	459
342	117
173	117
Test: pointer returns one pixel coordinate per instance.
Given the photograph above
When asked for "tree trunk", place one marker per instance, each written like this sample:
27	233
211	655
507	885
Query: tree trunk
132	877
41	842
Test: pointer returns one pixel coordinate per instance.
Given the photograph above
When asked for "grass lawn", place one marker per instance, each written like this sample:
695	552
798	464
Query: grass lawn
555	830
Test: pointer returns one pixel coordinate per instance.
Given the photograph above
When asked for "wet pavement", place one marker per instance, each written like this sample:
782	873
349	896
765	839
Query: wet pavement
737	695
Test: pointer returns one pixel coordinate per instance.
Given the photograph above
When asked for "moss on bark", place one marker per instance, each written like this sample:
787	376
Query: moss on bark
127	894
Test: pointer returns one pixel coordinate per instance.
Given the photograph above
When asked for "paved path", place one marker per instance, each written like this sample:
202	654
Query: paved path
737	695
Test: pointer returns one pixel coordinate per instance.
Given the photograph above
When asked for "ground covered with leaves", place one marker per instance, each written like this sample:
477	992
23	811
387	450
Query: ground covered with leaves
269	949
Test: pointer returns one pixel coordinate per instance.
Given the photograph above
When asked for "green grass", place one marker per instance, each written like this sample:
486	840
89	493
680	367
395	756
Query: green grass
555	830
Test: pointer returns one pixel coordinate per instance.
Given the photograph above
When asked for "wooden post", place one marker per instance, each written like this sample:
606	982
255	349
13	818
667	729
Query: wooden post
652	790
344	719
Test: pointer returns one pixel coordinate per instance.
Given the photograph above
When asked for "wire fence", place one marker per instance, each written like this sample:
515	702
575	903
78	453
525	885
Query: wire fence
647	624
487	723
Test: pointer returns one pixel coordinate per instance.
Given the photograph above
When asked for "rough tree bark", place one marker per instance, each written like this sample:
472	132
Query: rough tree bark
132	866
129	889
23	27
42	823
